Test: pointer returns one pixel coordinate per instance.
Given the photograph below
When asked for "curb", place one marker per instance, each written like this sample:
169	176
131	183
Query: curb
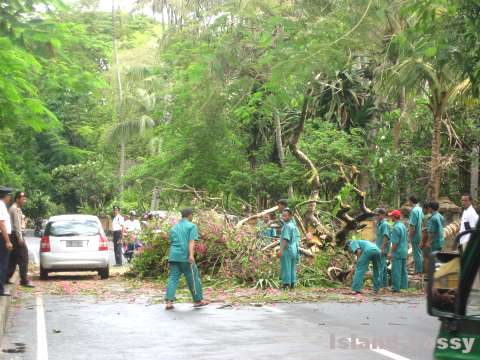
5	302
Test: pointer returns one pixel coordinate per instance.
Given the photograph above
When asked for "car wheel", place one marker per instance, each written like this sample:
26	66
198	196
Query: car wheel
104	273
43	274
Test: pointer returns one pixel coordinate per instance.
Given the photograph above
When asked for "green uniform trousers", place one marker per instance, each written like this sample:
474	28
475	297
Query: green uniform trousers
417	256
191	274
288	269
383	271
372	255
399	274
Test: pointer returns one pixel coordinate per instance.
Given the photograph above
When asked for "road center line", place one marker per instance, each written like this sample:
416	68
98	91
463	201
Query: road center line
42	349
389	354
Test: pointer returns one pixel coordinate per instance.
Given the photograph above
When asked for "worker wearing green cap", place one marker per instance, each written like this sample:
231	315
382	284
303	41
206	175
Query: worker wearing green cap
367	252
181	260
289	250
399	253
382	240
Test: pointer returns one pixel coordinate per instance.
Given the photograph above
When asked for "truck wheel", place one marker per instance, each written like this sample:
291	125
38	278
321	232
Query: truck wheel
104	273
43	274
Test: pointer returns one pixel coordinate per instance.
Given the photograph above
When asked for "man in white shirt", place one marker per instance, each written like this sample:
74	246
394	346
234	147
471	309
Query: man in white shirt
5	230
469	218
132	224
118	229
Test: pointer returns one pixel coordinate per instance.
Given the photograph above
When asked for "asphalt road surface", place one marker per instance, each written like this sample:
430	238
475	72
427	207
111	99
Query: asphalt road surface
45	327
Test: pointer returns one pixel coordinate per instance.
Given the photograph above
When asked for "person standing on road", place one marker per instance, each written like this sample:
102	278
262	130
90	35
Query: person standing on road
289	250
181	260
399	253
415	222
382	240
435	229
366	252
469	218
19	254
118	229
5	230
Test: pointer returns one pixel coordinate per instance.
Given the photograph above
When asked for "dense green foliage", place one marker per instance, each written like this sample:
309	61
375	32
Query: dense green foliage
200	92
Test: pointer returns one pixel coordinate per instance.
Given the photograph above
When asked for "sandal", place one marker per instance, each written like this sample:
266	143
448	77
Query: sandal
169	307
200	304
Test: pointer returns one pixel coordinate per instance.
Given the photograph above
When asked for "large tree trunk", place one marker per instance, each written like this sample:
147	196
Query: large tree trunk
474	172
397	128
304	159
119	102
435	171
280	149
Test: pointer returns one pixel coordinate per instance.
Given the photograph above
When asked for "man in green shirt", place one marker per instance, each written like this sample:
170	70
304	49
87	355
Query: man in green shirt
435	228
181	260
415	233
399	253
366	252
382	239
289	250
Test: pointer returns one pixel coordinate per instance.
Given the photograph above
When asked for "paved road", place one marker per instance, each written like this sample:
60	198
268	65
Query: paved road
80	327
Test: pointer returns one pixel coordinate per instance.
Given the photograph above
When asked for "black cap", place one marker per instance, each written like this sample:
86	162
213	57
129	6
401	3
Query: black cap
116	207
5	190
288	210
381	211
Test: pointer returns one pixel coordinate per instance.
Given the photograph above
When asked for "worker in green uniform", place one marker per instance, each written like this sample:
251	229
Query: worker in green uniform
366	252
181	260
399	252
289	250
415	222
435	228
382	239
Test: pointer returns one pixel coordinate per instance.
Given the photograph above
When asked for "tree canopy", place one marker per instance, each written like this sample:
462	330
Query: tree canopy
246	100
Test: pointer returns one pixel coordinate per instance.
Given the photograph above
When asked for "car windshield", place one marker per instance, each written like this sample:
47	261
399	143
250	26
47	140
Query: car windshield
73	228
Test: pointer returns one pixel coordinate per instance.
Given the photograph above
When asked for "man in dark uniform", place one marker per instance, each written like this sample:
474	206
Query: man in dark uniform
19	254
5	231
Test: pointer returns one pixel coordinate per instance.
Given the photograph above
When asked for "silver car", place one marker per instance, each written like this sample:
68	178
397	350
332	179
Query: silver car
74	243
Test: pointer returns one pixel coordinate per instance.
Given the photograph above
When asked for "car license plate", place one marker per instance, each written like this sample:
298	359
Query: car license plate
74	243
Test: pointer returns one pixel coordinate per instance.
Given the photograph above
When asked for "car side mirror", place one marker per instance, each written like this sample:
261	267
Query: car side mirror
443	282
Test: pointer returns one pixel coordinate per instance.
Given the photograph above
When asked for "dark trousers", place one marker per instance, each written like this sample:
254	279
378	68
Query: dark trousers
18	256
4	256
117	247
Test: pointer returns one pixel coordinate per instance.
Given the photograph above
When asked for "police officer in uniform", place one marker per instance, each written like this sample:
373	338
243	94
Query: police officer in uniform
19	254
5	231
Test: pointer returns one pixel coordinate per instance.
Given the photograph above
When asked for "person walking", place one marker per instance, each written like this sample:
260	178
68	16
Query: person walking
435	229
367	252
181	260
19	254
118	229
5	231
415	222
469	218
289	250
399	252
382	240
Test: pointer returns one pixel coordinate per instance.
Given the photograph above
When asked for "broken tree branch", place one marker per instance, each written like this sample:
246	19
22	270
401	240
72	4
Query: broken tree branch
256	216
305	160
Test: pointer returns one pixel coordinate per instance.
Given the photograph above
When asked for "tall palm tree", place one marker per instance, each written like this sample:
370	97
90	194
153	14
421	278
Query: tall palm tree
442	85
